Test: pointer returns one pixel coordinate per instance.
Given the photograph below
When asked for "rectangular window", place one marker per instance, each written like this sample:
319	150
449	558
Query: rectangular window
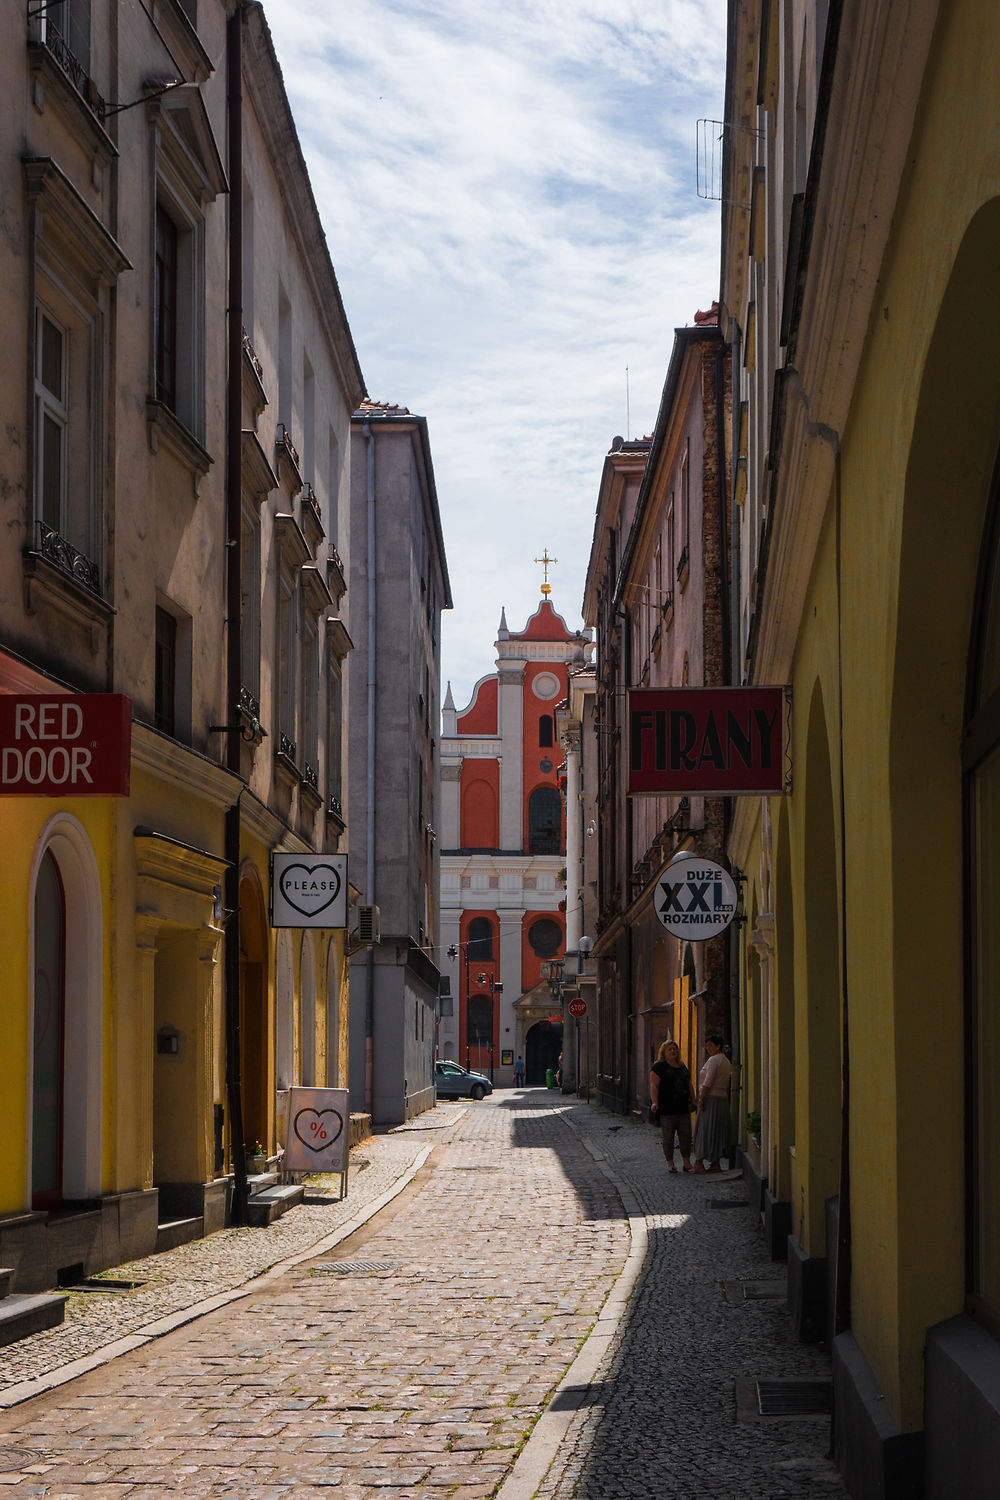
250	603
51	416
334	735
309	695
287	642
165	290
165	691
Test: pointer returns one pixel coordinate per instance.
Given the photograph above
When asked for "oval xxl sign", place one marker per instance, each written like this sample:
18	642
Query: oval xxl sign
695	898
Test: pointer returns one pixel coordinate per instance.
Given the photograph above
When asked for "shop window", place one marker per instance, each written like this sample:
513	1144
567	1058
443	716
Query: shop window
544	821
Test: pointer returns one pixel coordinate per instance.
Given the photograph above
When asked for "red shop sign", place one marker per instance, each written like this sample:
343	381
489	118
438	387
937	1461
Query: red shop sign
65	745
710	741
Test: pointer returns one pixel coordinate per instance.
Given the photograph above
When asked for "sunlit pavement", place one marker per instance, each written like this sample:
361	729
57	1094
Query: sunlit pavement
417	1355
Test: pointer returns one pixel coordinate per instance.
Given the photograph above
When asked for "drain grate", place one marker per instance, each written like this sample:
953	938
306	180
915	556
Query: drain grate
794	1398
354	1268
473	1167
17	1458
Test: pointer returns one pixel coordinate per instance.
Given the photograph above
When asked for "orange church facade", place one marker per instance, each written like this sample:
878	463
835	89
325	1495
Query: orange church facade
503	858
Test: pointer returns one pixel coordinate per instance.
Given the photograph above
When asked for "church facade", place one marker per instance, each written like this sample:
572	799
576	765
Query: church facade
503	856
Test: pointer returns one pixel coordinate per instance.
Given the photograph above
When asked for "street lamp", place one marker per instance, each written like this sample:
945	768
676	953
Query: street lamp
482	980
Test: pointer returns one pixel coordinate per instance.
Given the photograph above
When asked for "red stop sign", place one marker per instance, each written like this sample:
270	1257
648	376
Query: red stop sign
577	1008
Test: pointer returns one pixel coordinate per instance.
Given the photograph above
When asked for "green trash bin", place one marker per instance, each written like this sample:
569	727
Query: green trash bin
550	1078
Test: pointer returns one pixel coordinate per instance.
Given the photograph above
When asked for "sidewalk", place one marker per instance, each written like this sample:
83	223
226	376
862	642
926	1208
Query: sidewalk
183	1284
661	1402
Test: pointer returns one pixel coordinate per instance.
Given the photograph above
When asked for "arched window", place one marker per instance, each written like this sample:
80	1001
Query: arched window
545	730
544	821
545	937
480	939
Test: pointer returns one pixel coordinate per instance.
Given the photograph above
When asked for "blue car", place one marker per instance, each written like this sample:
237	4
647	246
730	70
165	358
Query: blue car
453	1082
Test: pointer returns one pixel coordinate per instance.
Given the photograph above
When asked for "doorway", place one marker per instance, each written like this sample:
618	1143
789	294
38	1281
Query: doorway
542	1046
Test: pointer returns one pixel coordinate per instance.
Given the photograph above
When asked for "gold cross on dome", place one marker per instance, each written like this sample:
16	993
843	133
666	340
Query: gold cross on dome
546	562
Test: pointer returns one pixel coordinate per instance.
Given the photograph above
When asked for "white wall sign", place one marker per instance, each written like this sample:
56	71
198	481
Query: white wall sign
309	890
695	898
317	1138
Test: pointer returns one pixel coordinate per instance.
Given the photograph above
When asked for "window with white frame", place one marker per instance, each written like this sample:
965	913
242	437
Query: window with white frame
74	262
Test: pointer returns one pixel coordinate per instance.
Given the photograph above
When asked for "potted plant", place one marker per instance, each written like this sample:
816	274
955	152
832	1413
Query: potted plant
257	1159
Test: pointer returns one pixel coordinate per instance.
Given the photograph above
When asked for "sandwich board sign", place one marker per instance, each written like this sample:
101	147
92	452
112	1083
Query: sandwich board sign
309	890
318	1132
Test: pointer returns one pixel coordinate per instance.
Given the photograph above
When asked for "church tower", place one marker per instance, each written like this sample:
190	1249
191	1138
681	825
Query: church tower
503	856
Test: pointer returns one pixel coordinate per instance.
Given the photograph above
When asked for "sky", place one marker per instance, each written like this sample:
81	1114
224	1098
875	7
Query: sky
509	196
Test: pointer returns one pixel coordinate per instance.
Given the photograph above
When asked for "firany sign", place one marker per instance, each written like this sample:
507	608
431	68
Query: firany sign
309	890
65	745
695	898
707	741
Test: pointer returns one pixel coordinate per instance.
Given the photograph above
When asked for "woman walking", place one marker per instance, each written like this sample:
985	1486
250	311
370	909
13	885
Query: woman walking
671	1101
713	1132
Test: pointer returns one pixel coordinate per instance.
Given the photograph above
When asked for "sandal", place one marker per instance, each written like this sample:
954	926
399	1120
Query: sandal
671	1167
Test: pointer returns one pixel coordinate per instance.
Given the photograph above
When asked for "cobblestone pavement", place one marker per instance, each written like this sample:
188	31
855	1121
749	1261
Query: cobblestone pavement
659	1416
178	1282
416	1357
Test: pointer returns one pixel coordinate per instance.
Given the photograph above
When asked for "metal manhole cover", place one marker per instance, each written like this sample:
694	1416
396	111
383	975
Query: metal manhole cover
354	1268
794	1398
17	1458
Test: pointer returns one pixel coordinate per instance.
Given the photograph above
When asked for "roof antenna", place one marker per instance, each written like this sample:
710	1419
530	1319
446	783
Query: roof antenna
628	412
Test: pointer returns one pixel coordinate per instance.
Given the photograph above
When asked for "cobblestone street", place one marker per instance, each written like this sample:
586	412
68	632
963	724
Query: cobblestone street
418	1355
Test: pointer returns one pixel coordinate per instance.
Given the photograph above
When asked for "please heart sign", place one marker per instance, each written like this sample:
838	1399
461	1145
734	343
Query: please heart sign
309	890
317	1138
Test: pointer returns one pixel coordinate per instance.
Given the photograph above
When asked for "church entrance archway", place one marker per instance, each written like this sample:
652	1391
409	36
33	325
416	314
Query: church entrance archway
542	1047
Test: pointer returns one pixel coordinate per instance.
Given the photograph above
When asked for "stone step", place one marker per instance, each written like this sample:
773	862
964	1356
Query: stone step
269	1204
259	1182
21	1314
176	1232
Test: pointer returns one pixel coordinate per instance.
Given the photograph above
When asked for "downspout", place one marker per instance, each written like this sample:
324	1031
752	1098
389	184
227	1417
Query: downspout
234	641
370	773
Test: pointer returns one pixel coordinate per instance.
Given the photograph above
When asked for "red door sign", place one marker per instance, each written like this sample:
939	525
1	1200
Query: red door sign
65	745
577	1008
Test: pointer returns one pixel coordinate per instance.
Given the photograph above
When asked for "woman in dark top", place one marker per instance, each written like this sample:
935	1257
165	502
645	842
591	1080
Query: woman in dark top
672	1100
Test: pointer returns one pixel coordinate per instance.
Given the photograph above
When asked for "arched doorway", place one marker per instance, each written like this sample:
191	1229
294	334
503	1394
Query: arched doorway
67	1019
333	967
542	1047
254	1031
48	1043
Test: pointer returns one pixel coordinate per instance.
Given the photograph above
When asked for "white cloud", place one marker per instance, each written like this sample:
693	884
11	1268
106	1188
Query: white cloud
509	196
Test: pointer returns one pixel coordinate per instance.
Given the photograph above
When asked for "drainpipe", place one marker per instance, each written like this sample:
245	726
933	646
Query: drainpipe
234	568
370	773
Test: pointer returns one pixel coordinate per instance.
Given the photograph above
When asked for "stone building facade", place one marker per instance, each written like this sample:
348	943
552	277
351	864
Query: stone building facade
399	585
656	593
175	476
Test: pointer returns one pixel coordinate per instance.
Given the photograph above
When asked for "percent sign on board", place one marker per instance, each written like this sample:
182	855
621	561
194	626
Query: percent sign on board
313	1129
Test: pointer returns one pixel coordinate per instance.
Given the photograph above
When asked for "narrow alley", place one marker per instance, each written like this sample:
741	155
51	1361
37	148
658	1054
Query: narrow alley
430	1347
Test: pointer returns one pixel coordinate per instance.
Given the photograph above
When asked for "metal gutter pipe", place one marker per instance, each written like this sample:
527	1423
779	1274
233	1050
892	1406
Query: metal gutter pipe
234	569
370	768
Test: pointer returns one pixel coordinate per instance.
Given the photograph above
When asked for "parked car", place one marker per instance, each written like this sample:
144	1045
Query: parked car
453	1082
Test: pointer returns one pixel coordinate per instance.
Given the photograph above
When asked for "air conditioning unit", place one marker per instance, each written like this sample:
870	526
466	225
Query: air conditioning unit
364	930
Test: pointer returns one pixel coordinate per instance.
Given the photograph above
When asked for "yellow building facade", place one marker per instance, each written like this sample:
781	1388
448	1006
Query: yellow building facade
859	274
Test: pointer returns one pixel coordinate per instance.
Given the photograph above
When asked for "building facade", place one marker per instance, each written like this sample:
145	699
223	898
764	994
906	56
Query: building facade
166	541
503	858
861	205
399	582
656	593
